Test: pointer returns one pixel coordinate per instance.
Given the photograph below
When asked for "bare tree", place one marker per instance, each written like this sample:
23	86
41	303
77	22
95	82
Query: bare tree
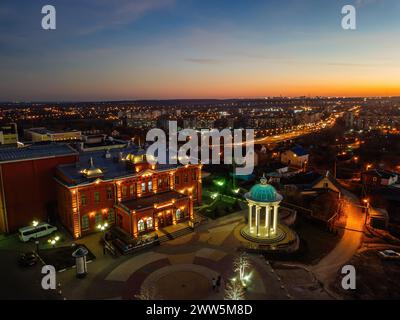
241	264
234	290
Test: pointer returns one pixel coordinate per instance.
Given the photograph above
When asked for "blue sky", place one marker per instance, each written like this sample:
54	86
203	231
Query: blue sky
121	49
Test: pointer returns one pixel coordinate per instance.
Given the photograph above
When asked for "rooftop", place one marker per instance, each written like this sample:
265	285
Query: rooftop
35	152
149	202
108	161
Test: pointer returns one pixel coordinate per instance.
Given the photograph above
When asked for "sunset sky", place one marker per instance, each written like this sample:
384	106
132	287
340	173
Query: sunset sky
165	49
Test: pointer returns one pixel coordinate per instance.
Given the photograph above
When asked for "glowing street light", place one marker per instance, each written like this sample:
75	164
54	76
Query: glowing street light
35	223
53	241
102	227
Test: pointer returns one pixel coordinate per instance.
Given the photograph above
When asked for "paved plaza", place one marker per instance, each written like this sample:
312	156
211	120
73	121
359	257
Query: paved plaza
183	269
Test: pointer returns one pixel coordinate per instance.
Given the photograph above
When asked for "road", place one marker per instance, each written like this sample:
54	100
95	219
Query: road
328	268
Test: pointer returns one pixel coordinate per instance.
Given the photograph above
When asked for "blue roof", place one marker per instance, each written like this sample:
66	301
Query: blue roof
263	192
299	151
35	152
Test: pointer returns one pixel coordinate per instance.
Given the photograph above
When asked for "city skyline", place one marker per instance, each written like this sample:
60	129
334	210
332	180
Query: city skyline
172	49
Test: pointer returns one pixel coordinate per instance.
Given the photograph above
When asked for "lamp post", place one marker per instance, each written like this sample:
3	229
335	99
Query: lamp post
102	227
53	241
35	223
366	202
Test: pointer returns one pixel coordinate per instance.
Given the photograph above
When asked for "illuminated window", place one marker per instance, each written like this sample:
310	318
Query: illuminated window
109	193
98	218
85	222
124	191
83	200
160	183
177	180
111	216
132	189
141	225
149	223
150	185
143	187
97	197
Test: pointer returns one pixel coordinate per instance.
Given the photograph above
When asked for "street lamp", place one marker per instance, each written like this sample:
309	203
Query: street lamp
366	202
53	241
35	223
102	227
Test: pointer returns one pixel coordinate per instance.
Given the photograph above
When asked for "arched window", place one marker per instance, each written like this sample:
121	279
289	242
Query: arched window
98	218
141	225
178	214
85	222
149	223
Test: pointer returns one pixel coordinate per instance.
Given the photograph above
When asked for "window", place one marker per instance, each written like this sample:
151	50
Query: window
132	189
150	185
85	222
185	178
160	183
149	223
97	197
109	193
193	175
98	218
141	225
178	214
177	180
111	216
143	187
124	191
83	200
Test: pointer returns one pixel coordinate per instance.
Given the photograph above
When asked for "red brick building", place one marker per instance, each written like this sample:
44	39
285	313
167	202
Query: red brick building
120	187
28	188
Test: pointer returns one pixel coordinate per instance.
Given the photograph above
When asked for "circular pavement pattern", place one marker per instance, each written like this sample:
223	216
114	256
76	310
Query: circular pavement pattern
180	282
183	285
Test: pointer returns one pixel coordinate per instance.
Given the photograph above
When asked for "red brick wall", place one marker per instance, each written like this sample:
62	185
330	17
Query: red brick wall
30	189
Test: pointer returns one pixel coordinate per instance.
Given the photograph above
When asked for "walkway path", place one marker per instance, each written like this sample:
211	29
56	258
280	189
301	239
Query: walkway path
330	265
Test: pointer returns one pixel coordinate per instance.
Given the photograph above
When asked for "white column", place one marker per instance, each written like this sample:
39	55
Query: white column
267	213
250	216
275	218
258	220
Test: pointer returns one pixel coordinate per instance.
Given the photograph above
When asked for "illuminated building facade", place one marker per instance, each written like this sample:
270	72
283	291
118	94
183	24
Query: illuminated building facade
120	187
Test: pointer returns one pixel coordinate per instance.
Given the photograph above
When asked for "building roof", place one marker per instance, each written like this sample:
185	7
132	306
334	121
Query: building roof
108	162
307	179
299	151
263	192
35	152
384	174
149	202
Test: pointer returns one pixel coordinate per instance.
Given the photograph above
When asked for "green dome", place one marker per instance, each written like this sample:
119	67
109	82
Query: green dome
263	192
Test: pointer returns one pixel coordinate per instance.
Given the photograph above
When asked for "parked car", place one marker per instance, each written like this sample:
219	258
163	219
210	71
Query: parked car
389	255
28	259
34	232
